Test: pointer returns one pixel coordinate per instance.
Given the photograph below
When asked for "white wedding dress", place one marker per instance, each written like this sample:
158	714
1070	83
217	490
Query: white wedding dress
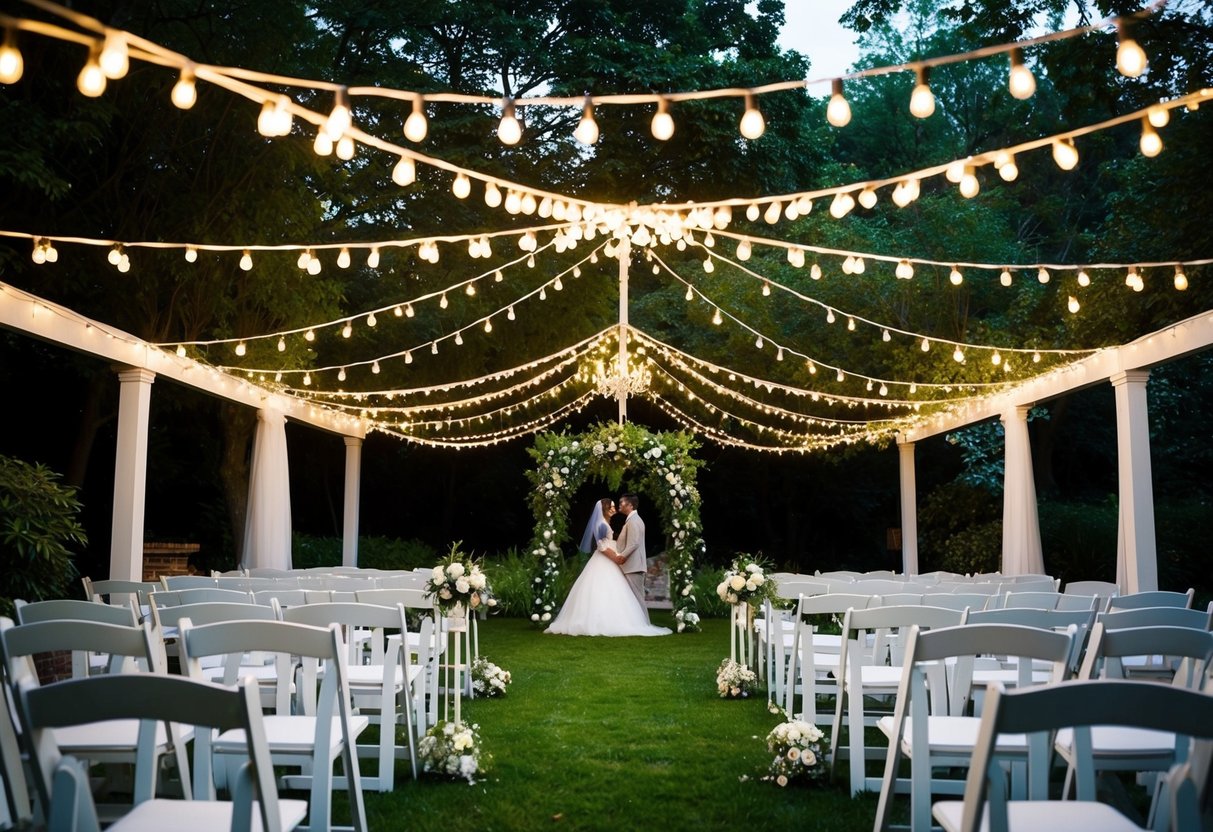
601	603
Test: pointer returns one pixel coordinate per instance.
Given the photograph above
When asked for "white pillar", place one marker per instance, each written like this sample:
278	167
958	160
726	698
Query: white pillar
267	523
130	474
909	509
625	256
353	480
1021	551
1136	556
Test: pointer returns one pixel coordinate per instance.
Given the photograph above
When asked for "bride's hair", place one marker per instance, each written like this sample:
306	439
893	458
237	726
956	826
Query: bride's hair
606	503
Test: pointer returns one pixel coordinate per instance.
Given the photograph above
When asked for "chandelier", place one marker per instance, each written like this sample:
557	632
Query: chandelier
613	385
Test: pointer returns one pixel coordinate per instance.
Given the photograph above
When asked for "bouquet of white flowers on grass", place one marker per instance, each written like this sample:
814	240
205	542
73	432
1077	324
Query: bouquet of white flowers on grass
452	749
735	680
797	748
488	679
457	579
745	582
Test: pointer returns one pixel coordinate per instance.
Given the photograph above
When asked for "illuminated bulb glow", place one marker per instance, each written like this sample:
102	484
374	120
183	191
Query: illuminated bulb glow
12	65
1151	143
339	119
346	148
343	259
1043	275
372	259
1159	116
969	184
91	80
958	355
115	57
461	187
1021	81
1084	279
180	351
743	250
841	205
838	111
323	145
509	130
752	125
184	94
416	125
1131	59
1073	305
310	335
281	344
341	374
771	215
347	330
904	270
1004	278
191	254
716	317
922	101
492	195
867	198
587	128
241	349
1065	154
1008	170
926	345
1181	279
663	123
246	261
956	277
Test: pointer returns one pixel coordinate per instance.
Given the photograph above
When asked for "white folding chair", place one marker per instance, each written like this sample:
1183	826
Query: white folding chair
1157	617
1104	589
83	662
812	668
956	600
15	806
775	630
63	785
866	674
172	582
425	644
1038	712
936	731
386	686
1156	598
119	593
318	731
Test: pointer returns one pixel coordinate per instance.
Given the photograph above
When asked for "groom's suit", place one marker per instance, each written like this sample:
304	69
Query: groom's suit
630	546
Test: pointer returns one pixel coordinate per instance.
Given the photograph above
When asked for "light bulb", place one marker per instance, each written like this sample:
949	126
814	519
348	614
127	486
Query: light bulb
310	335
372	259
663	123
1065	154
1158	116
528	204
11	62
956	277
347	330
343	259
1005	278
52	253
1021	81
838	111
812	368
904	270
1151	143
771	215
339	120
408	310
743	250
307	379
922	101
115	254
690	295
958	355
1043	275
867	198
314	266
459	338
488	325
996	359
124	264
848	265
1073	305
461	187
281	344
443	303
408	356
926	344
1131	59
341	374
779	354
91	80
766	289
404	172
1084	279
969	184
492	195
885	336
323	145
1008	170
850	324
830	316
181	351
246	261
587	128
858	266
758	342
509	130
955	172
509	313
416	125
841	376
470	290
375	367
716	317
191	254
115	58
345	148
841	205
752	124
1035	358
709	266
184	94
498	276
241	349
1181	279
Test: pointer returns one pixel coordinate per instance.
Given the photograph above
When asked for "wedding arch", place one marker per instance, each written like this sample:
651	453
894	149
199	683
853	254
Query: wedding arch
659	466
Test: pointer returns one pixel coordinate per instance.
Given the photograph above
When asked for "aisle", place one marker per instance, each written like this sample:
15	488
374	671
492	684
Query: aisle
615	734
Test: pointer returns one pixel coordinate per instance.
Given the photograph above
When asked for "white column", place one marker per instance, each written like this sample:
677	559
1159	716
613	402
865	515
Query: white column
267	524
1021	552
130	474
1136	556
909	509
625	256
353	481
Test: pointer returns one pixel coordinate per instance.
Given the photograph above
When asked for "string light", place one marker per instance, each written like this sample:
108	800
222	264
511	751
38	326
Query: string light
587	128
184	94
322	145
867	197
1073	305
969	185
996	358
1151	143
339	120
91	80
752	125
1181	279
462	186
1131	59
956	277
1004	277
246	261
346	148
1084	279
416	125
372	259
275	120
347	330
1065	154
958	355
191	254
1004	163
11	63
1021	82
662	125
343	258
838	111
241	349
922	101
1042	275
115	57
716	317
1160	117
904	270
509	130
281	345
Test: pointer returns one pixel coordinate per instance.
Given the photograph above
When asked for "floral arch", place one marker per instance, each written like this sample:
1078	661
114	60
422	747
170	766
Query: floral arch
660	468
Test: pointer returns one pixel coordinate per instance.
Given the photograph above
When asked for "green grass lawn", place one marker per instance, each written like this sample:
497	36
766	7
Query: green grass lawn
615	733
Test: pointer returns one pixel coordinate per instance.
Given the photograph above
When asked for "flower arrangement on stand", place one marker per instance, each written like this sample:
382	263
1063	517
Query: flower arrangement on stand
453	749
459	584
796	746
735	680
745	582
488	679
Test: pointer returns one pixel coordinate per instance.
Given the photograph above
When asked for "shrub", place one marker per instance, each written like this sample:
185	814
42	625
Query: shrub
38	527
308	551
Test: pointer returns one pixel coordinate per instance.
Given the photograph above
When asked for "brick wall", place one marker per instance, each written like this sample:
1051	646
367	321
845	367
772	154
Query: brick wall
167	559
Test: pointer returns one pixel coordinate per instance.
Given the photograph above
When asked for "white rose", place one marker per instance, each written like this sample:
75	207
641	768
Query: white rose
462	586
534	616
750	586
669	477
681	626
686	590
547	616
758	579
564	470
438	576
722	590
656	452
808	758
492	602
753	567
793	754
611	447
444	594
781	780
547	535
731	598
736	583
455	570
793	733
477	580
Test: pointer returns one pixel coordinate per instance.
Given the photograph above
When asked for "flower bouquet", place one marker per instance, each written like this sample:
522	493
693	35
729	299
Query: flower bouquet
746	583
735	680
488	679
457	583
452	749
797	748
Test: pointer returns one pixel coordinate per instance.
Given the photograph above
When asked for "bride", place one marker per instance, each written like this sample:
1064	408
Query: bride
601	602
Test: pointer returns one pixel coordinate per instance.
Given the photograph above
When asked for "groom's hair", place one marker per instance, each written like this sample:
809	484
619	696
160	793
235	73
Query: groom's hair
633	499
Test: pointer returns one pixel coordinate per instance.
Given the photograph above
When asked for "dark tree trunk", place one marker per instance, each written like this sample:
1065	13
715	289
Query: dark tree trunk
236	429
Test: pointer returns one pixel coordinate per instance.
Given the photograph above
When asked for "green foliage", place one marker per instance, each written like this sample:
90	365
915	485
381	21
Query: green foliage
373	552
38	531
960	529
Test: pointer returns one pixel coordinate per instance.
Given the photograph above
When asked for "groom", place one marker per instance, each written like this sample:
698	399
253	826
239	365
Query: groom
629	548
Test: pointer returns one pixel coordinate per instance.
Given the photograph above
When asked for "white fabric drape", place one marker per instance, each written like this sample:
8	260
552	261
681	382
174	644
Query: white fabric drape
267	526
1021	552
